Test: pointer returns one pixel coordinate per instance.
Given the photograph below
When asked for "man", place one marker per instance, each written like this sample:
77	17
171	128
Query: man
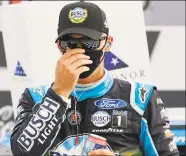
84	99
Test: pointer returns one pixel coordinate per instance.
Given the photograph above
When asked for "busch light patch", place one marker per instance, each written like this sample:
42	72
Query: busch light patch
34	133
105	103
100	118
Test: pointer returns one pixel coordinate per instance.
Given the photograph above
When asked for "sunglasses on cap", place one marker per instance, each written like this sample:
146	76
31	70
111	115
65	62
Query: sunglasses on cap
86	43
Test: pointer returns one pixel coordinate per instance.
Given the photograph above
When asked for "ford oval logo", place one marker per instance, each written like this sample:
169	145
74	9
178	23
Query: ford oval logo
110	103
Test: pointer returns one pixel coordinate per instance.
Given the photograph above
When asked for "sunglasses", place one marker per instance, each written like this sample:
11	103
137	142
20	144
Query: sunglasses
85	42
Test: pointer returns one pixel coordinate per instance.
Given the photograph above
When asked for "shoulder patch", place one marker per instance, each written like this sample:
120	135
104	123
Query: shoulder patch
38	93
139	96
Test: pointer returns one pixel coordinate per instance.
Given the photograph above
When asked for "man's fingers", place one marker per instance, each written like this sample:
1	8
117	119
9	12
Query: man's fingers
82	69
92	153
75	58
80	63
70	52
100	152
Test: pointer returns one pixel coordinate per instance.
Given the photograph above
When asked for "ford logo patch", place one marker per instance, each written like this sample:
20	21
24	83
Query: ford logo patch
110	103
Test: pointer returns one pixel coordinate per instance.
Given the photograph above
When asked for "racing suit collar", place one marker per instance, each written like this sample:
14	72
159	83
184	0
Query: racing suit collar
91	85
97	89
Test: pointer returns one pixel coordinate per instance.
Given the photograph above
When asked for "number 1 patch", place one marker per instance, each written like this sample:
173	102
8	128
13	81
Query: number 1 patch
119	118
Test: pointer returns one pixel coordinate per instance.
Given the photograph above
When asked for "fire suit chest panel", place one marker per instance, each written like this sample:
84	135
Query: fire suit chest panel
112	117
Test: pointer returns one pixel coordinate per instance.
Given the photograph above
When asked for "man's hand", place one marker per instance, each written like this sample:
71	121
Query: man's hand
100	152
68	69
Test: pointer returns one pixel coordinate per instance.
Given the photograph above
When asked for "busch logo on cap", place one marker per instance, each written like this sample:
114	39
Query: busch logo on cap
78	15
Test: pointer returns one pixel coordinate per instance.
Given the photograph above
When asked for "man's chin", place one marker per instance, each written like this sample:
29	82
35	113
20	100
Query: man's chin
96	75
84	78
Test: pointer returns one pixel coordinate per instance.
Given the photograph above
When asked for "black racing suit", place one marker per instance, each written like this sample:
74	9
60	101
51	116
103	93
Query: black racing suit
131	116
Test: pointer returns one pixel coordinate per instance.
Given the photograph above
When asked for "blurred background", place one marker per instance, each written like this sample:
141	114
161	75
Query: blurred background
165	31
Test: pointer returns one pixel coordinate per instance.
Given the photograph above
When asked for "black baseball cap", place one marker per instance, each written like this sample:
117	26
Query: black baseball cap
83	18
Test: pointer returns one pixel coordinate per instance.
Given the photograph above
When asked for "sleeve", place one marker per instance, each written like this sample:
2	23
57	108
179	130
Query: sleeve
37	125
158	125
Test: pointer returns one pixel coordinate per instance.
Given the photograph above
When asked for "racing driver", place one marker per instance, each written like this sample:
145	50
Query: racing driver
84	100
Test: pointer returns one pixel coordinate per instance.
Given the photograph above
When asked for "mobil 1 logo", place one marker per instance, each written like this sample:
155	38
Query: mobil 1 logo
119	118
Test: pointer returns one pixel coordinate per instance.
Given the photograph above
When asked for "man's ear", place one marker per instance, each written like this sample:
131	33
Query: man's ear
58	46
108	44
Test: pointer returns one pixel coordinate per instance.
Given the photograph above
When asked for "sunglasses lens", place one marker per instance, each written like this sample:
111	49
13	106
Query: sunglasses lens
85	42
91	44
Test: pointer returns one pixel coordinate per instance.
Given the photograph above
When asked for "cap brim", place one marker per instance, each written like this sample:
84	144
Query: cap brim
94	34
